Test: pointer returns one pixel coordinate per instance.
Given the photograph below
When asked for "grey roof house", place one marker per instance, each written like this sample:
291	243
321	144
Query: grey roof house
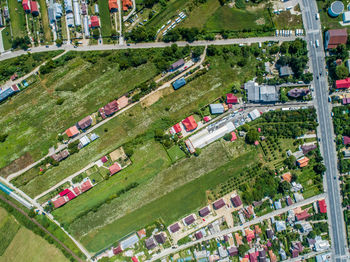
216	109
264	94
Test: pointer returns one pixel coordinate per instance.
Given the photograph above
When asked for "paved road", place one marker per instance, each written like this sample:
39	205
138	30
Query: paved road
8	55
169	251
325	131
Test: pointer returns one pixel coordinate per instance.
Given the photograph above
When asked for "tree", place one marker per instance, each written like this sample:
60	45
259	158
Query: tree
196	52
198	152
3	137
319	168
59	41
228	137
95	33
252	136
341	72
284	187
114	33
290	162
243	249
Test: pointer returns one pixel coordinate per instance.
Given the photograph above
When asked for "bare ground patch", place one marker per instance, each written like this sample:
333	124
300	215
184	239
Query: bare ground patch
150	100
16	165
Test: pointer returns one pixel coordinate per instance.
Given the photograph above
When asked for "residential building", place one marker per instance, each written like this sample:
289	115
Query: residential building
222	252
307	148
175	129
278	204
72	131
150	243
233	136
60	156
285	71
70	20
289	201
346	140
59	202
189	220
83	8
216	109
298	197
51	13
270	234
26	6
322	206
115	168
84	141
249	234
85	122
117	250
198	235
280	226
177	65
204	211
85	186
302	216
302	162
126	5
179	83
261	93
174	228
236	200
219	204
122	102
7	92
232	251
141	233
231	99
298	92
287	177
34	8
87	34
335	37
94	21
343	83
58	11
189	123
113	6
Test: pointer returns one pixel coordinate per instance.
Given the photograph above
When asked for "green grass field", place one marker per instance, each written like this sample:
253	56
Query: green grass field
20	244
137	120
18	19
214	17
183	200
106	26
34	131
6	38
286	20
175	153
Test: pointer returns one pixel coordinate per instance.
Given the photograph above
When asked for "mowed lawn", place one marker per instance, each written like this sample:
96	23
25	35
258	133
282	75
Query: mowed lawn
214	17
137	120
33	119
171	207
18	18
6	38
106	26
20	244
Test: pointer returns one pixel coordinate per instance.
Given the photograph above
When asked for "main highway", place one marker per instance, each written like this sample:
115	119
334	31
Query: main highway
325	129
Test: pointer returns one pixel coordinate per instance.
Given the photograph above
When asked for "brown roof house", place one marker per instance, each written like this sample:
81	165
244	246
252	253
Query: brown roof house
174	228
189	220
160	238
85	122
204	211
219	204
335	37
236	200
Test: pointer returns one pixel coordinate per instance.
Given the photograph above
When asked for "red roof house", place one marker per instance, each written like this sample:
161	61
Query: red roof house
64	192
190	123
322	206
206	119
335	37
177	128
126	5
76	191
346	140
231	99
343	83
59	202
249	234
72	131
26	6
134	259
111	107
34	8
302	216
94	22
104	159
113	6
234	136
115	168
85	186
71	195
117	250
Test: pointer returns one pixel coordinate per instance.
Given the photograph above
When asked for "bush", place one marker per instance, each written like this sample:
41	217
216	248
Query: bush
60	101
3	138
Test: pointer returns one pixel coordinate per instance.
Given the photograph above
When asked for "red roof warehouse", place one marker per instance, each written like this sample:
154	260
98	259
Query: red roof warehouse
189	123
344	83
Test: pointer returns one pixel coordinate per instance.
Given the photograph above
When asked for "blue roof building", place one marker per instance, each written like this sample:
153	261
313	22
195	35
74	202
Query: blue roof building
5	93
216	109
179	83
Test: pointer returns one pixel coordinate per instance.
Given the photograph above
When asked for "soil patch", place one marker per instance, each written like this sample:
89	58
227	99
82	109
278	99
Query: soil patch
16	165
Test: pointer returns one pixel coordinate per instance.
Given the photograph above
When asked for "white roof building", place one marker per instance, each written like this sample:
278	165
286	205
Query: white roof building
346	17
84	141
254	114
